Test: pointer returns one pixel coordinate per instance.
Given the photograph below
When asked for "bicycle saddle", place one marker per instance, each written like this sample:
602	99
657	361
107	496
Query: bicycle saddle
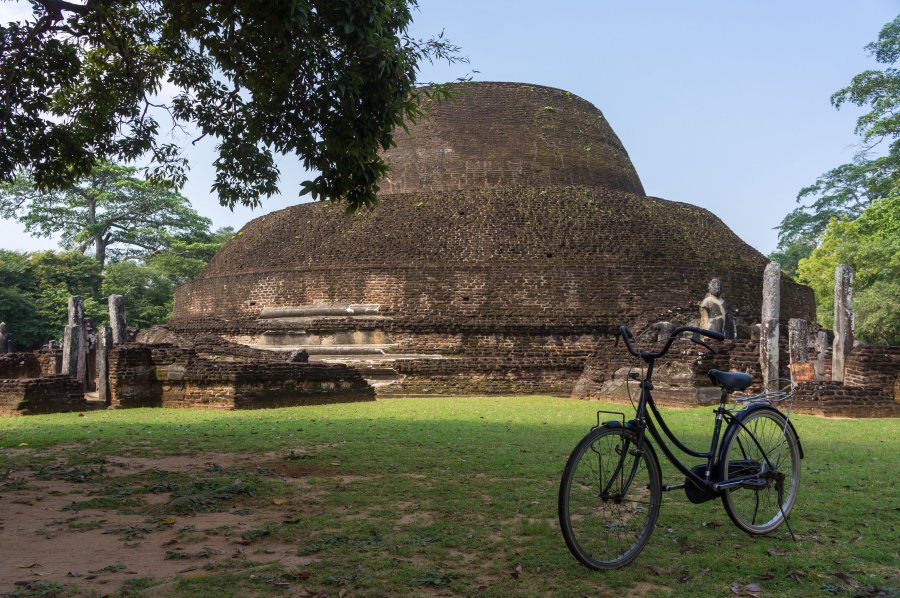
730	381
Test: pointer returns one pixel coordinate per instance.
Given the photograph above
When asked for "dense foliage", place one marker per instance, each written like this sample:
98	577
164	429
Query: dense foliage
870	245
110	209
36	290
37	286
854	214
326	81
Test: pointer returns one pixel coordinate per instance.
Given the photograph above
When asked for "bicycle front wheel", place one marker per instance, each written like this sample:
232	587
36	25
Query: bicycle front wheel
765	446
609	498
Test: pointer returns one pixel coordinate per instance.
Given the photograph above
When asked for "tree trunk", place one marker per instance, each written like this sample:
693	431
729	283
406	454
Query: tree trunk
99	242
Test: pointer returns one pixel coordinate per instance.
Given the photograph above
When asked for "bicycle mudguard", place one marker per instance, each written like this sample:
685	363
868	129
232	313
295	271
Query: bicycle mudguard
732	428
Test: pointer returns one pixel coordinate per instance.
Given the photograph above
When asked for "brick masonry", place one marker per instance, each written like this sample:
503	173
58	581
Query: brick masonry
681	379
19	365
163	375
512	236
50	394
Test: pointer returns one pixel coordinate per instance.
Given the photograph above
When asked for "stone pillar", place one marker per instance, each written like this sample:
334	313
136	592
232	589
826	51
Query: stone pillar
76	318
843	321
771	309
798	338
104	344
4	339
71	341
117	318
821	350
76	310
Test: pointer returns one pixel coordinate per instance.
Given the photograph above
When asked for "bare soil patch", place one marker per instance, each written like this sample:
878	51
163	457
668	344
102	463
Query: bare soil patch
43	538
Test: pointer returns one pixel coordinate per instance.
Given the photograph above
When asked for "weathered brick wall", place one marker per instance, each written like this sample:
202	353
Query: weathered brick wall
836	399
19	365
50	361
502	134
144	375
553	259
873	365
50	394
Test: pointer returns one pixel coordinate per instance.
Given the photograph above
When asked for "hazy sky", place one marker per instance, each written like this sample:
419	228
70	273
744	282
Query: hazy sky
721	104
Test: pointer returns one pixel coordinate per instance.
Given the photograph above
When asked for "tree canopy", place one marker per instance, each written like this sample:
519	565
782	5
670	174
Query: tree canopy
327	81
854	214
109	209
847	190
36	286
870	245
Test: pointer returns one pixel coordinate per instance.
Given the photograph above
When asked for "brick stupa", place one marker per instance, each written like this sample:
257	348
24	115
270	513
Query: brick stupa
512	235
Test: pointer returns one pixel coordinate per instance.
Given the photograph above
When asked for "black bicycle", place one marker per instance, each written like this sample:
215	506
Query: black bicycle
611	488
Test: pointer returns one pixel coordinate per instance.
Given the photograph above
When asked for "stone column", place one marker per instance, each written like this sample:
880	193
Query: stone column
71	342
76	318
843	321
821	350
798	338
117	318
104	344
4	339
771	309
76	310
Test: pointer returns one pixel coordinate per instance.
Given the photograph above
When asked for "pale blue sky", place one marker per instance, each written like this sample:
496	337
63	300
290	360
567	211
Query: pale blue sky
720	104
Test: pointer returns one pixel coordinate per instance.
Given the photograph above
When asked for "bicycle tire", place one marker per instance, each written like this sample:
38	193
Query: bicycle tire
760	511
606	529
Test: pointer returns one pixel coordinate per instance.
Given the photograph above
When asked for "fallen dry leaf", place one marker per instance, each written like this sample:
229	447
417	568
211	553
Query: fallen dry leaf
279	501
753	589
847	579
775	551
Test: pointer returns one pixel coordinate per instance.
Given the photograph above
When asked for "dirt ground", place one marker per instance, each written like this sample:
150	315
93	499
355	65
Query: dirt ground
42	539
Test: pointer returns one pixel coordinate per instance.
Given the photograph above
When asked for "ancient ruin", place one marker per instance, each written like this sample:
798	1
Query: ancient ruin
512	236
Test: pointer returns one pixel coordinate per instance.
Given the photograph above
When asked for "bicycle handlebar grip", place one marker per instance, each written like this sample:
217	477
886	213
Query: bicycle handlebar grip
628	336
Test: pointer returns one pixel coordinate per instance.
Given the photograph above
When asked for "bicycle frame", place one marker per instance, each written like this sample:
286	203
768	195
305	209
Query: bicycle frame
644	421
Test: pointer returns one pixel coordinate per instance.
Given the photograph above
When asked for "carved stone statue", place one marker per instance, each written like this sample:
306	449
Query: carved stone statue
715	313
4	338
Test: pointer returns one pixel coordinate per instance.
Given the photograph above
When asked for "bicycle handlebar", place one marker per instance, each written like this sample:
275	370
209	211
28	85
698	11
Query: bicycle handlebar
628	336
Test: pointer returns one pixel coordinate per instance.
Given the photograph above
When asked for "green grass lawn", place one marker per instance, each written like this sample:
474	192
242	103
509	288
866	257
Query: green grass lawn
434	497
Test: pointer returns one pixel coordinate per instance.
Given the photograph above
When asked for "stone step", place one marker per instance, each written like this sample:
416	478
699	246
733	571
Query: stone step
302	338
299	322
362	361
359	349
334	309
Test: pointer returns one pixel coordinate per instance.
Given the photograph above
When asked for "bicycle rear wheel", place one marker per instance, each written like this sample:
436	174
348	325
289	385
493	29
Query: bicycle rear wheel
766	446
609	498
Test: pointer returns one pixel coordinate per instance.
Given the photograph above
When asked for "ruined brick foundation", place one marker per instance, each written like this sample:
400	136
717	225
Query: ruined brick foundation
163	375
871	388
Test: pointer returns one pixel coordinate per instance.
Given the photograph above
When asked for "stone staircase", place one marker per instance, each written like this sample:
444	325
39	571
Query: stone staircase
352	339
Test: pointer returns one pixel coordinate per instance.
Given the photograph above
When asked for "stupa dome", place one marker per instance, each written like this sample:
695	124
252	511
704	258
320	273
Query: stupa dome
509	134
512	235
